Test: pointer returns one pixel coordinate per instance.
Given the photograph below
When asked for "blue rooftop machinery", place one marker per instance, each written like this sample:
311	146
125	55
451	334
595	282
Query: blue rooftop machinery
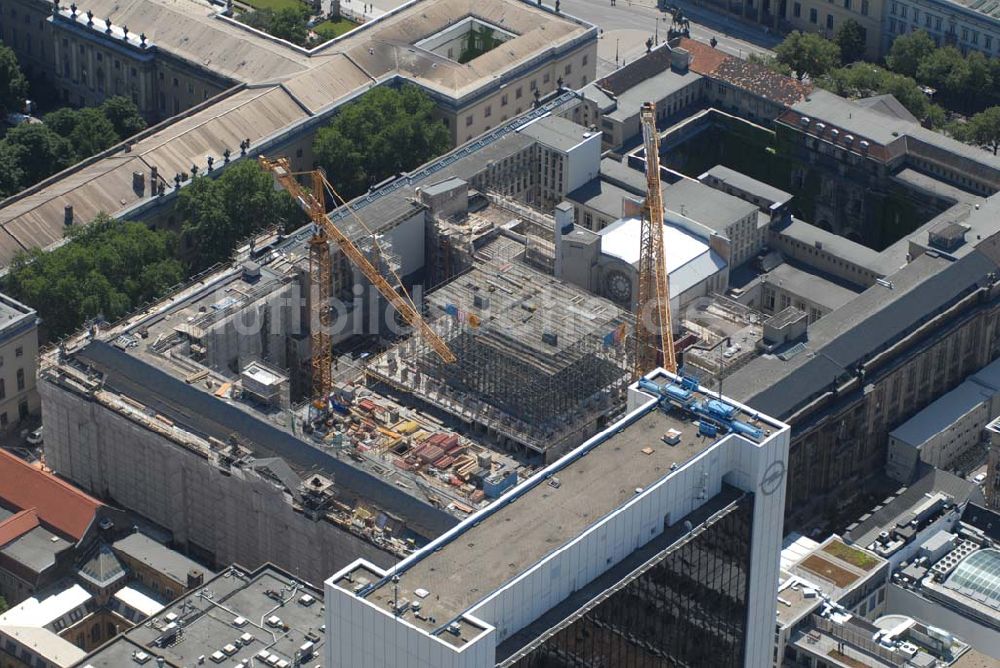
714	415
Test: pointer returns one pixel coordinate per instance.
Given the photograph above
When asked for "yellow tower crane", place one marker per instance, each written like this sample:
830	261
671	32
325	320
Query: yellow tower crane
313	203
654	338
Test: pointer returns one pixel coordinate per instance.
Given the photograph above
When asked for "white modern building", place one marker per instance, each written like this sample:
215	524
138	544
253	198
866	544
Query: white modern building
678	505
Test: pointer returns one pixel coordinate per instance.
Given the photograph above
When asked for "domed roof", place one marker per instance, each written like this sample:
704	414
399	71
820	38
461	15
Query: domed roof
978	576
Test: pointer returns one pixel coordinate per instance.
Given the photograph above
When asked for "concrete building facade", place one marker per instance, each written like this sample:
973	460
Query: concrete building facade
968	26
19	402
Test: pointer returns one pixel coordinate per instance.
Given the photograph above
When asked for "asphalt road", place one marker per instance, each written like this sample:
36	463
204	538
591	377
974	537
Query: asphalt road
628	25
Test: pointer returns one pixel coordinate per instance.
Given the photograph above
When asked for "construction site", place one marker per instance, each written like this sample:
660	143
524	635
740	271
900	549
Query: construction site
539	367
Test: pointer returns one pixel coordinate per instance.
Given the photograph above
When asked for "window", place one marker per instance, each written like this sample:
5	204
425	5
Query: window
847	4
864	7
927	20
797	10
569	68
517	93
488	111
176	82
584	61
903	11
468	120
916	14
894	8
975	37
988	42
829	21
813	15
20	379
3	388
965	34
545	78
190	87
503	100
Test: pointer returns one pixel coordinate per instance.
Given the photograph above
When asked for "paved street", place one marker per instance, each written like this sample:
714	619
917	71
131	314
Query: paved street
628	24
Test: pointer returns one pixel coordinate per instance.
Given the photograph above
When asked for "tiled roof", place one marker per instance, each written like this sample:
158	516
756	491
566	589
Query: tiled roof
17	525
749	76
637	71
57	503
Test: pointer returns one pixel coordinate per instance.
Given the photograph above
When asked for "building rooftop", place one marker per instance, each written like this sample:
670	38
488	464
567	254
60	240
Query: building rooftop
58	504
35	549
540	516
809	285
234	617
689	260
709	207
900	509
751	77
657	86
557	133
311	86
864	326
42	610
978	576
947	409
157	556
747	184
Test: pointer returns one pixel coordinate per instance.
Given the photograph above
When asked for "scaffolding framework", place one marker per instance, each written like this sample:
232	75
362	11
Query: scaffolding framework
537	359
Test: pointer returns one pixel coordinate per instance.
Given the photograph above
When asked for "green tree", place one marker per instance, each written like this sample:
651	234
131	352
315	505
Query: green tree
93	133
385	132
983	129
13	84
808	53
43	151
945	69
220	212
908	51
124	116
11	174
980	80
851	38
62	121
108	268
287	23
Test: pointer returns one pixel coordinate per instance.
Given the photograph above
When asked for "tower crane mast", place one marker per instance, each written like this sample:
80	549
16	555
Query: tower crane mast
653	329
313	203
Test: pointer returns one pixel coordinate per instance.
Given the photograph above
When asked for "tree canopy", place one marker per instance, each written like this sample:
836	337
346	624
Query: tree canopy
983	129
808	53
907	51
106	268
220	212
33	151
13	84
864	80
287	23
851	38
385	132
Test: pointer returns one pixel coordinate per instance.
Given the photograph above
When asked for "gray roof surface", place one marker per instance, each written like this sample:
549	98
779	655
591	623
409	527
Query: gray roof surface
748	184
935	480
889	105
868	122
36	549
208	625
809	285
977	388
102	567
623	176
708	206
657	87
464	570
843	248
556	132
865	325
171	563
601	196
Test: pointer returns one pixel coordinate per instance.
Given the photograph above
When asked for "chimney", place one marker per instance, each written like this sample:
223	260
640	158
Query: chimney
680	59
564	225
68	215
138	182
195	579
154	176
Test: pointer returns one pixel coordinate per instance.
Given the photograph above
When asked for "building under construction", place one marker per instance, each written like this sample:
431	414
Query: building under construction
541	364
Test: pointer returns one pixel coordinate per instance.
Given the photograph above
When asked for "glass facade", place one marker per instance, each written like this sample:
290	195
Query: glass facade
688	608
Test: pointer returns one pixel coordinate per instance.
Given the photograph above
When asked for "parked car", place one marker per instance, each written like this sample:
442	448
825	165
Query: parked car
35	437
